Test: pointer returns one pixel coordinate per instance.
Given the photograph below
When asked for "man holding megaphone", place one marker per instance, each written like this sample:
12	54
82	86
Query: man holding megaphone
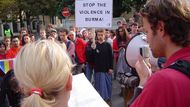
167	24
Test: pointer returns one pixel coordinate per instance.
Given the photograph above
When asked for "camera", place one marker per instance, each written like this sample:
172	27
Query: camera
128	79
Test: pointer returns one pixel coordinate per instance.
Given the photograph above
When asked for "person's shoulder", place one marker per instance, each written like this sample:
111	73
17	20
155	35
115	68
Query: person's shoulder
10	51
162	75
109	39
70	42
166	78
115	40
107	43
168	73
88	44
79	40
158	80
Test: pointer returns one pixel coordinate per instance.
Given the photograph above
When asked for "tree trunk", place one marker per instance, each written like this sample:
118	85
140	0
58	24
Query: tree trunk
38	24
20	17
28	22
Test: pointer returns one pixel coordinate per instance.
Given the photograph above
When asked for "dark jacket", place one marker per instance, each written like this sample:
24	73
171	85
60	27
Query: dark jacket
9	87
89	53
103	57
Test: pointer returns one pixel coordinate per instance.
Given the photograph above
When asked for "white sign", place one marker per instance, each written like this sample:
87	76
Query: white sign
83	94
93	13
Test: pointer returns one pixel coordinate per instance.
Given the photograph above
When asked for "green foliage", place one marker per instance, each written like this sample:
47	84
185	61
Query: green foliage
55	7
38	7
30	7
66	3
7	7
120	6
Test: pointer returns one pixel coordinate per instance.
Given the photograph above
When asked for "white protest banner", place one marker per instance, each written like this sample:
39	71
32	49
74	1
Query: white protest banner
93	13
83	94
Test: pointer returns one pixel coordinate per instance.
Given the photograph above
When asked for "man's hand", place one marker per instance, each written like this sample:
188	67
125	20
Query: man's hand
93	45
143	69
110	71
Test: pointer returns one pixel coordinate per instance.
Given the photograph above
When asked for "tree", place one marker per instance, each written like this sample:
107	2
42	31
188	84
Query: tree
136	4
34	8
120	6
54	7
65	3
8	8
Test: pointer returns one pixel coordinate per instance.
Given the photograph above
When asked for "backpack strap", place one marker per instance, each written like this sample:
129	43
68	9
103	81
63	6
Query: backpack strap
182	66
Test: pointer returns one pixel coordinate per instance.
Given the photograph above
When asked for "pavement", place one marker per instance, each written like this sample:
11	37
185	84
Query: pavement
117	100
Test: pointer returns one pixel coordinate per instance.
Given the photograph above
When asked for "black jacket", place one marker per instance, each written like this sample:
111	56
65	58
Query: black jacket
103	57
9	87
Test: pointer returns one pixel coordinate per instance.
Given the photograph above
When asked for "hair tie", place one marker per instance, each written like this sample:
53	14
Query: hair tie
37	91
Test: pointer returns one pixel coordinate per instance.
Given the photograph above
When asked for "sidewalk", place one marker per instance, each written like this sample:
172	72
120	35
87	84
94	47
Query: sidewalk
117	101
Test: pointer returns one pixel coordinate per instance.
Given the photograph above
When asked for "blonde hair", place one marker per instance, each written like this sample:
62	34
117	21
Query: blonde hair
45	65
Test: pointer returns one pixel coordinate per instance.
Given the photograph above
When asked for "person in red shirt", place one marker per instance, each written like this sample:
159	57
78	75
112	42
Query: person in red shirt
11	53
80	46
167	24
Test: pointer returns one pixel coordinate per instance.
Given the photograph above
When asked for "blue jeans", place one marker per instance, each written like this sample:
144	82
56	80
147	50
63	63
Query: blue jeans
89	72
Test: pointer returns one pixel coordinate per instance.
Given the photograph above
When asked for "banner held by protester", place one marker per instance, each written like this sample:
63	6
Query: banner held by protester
6	65
94	13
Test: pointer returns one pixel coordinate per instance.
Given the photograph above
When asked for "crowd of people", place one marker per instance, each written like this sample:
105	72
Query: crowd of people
44	67
93	52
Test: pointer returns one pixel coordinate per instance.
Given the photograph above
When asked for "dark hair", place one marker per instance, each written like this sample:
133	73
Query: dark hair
107	30
13	37
134	24
31	35
112	32
174	14
23	42
63	30
119	22
2	43
100	30
125	36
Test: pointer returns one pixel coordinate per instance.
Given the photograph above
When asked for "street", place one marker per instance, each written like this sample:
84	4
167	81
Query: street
117	100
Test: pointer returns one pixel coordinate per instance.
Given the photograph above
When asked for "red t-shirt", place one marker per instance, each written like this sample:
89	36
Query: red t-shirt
11	53
80	46
167	87
2	56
